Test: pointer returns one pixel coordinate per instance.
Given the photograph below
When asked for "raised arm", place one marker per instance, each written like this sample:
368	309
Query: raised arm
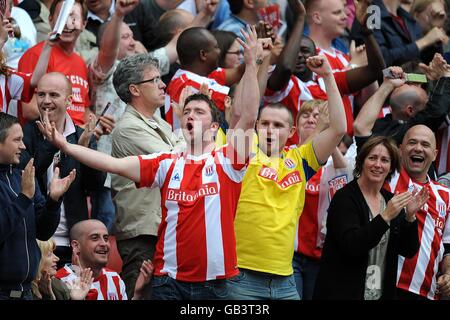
339	161
127	167
286	62
438	105
361	77
262	76
206	13
325	142
109	46
364	122
248	96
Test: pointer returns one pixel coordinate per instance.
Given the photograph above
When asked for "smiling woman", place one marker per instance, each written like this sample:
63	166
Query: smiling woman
359	259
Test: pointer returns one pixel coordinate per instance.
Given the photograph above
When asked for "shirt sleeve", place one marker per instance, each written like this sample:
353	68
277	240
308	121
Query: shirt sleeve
28	61
341	82
163	60
308	159
234	168
19	86
219	75
151	171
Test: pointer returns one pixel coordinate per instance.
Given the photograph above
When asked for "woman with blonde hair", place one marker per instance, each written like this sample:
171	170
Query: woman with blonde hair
47	287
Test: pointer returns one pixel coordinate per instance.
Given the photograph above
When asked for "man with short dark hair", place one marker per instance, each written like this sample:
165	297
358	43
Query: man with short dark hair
199	55
25	214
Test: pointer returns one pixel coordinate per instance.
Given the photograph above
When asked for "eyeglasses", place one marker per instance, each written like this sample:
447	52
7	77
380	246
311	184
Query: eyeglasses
237	52
155	80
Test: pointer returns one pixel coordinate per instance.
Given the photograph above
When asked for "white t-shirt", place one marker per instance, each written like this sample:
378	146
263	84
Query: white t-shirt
61	235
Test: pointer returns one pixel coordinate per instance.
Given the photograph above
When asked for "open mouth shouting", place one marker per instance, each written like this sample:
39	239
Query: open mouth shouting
417	160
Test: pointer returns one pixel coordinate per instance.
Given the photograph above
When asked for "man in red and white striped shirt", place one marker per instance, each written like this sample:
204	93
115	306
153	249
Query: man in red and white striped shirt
428	273
200	187
90	243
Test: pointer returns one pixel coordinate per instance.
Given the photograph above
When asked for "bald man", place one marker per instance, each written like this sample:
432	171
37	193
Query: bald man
91	246
406	102
54	95
426	275
90	243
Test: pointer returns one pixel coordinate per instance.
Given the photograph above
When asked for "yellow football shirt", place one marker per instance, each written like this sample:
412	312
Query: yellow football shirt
271	201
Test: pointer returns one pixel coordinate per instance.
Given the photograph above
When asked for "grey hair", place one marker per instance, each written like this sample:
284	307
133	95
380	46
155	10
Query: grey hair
130	70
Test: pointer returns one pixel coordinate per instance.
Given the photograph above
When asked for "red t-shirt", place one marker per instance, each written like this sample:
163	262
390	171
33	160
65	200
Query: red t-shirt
15	86
72	66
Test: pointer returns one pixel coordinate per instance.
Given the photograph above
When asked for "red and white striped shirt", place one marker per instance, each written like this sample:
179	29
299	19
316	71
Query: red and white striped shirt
199	196
320	189
183	78
107	286
14	87
418	274
296	92
338	60
339	63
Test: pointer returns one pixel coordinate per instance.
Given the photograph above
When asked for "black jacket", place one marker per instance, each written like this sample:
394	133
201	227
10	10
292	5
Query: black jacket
87	179
350	236
22	221
432	116
143	21
397	48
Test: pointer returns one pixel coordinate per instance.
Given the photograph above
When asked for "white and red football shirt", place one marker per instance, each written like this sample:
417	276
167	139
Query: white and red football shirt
339	63
320	189
107	286
307	227
16	86
199	196
183	78
296	92
338	60
418	274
